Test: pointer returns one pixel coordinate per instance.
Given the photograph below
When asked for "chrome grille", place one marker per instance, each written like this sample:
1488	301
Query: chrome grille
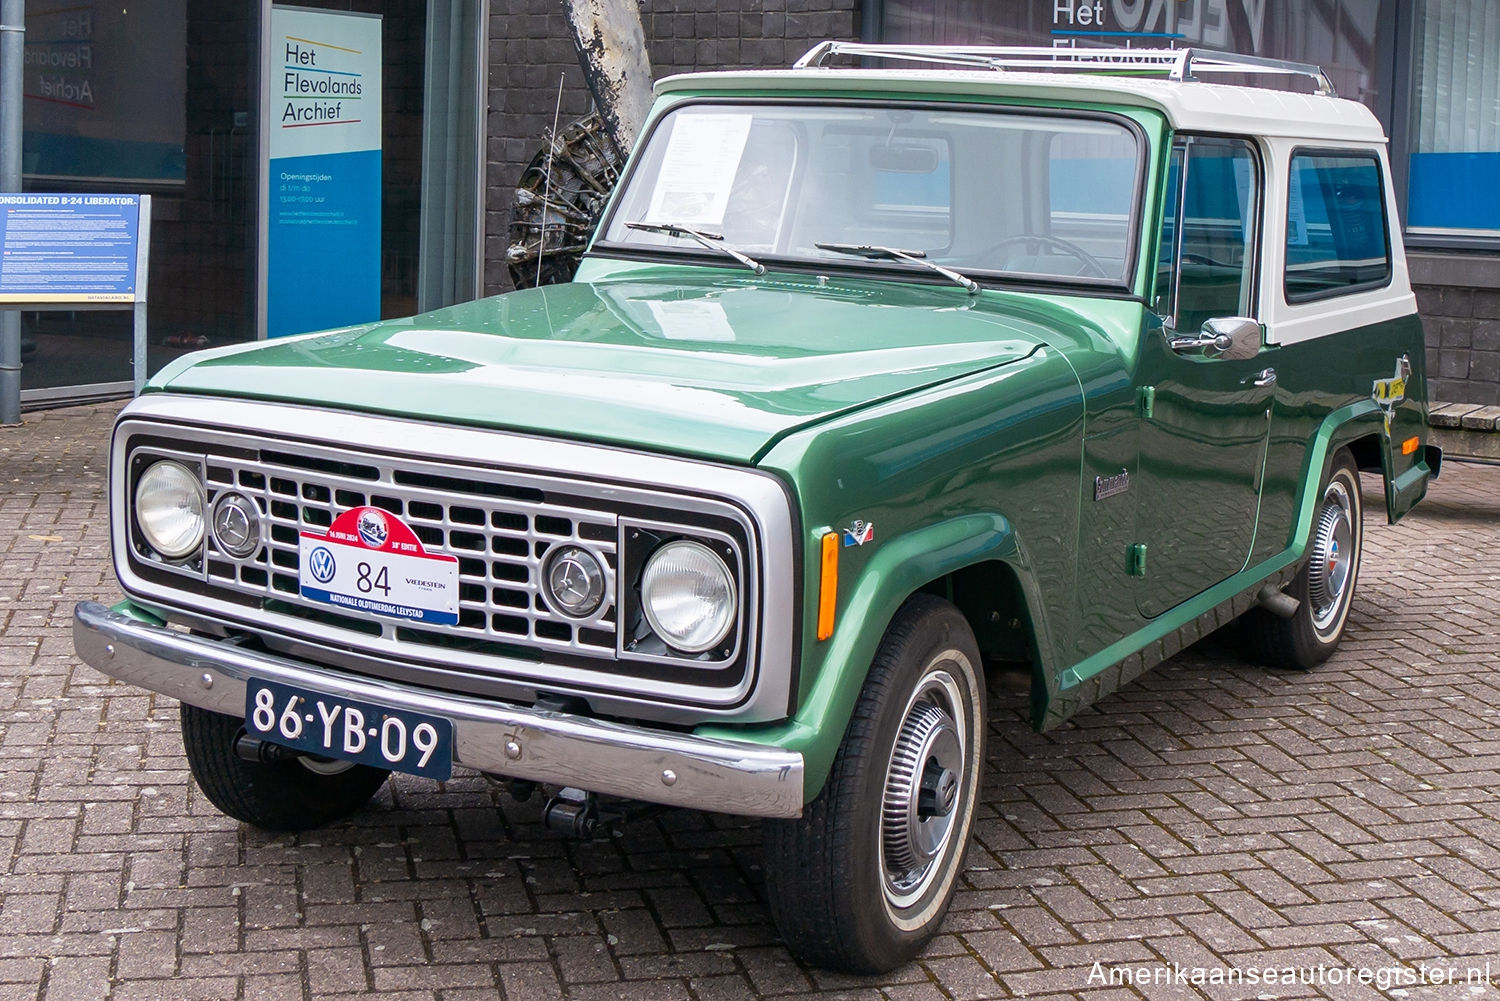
499	532
615	494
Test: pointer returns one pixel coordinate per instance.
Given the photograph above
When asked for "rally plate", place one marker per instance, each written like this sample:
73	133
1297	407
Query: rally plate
371	561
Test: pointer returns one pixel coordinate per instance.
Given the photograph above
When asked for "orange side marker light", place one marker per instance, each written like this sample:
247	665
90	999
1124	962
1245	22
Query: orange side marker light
828	589
1410	445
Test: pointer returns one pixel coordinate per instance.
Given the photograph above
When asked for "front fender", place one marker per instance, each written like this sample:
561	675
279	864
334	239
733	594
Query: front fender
978	469
900	567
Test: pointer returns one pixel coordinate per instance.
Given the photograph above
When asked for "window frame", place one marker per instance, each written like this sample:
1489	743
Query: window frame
1382	185
1185	142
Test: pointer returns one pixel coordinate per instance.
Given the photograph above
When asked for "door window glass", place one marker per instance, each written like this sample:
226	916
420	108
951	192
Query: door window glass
1216	263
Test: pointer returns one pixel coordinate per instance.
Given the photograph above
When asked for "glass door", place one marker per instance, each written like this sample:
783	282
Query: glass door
426	69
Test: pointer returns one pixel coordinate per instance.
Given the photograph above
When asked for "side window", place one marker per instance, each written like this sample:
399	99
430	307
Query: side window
1215	230
1336	235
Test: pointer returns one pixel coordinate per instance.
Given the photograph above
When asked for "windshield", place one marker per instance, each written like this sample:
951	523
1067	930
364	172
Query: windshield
979	192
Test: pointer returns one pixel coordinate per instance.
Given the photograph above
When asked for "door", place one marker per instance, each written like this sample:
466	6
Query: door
1207	380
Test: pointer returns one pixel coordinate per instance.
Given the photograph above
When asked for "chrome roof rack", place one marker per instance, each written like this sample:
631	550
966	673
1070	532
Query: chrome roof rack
1174	64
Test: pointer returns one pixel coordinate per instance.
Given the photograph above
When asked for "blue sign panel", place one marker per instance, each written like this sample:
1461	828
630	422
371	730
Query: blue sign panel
323	252
69	248
1454	191
323	170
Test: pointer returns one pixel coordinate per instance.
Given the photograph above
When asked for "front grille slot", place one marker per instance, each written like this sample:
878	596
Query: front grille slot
500	532
326	617
450	484
333	467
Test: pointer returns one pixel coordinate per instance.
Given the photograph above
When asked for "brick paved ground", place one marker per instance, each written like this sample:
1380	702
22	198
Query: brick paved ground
1212	815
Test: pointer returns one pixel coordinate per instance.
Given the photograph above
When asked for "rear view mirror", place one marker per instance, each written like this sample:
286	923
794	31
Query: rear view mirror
899	159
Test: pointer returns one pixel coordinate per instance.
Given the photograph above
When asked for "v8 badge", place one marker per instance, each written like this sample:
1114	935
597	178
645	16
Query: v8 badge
859	533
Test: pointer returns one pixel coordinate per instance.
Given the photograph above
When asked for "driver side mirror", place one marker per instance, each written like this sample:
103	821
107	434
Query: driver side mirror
1233	338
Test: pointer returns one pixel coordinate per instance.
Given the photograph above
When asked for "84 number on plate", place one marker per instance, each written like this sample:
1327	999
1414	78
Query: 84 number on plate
366	583
353	731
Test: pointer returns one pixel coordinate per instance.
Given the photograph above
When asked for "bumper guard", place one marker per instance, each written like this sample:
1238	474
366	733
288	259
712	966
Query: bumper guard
657	766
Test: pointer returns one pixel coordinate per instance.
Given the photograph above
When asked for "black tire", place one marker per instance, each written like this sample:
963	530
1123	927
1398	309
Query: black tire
861	881
284	796
1324	587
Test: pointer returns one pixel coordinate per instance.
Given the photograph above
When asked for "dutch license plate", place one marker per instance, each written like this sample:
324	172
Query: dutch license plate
371	561
336	727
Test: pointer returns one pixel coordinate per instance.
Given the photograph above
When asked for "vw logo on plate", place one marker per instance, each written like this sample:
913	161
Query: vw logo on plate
372	528
320	562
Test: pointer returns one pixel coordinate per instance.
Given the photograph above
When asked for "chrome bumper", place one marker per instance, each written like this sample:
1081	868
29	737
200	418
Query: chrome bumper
657	766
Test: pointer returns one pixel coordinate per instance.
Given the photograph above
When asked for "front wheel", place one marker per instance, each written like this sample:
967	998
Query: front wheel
282	796
1324	587
862	880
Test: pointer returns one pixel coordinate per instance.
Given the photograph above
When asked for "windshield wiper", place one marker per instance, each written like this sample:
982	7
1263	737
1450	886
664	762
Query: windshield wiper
702	236
892	254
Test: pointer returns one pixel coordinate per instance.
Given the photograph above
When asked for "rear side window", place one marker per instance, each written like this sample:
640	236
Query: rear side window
1336	234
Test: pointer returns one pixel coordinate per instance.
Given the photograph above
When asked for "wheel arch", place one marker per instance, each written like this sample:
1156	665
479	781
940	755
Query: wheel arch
960	557
1361	427
992	598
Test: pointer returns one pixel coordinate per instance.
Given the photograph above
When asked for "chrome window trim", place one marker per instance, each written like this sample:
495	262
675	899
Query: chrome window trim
618	476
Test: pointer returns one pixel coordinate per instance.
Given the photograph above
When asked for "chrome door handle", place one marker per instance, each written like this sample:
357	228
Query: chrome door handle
1210	345
1265	377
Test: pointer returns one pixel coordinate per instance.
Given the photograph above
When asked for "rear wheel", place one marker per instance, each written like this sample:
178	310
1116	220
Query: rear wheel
280	796
862	880
1324	587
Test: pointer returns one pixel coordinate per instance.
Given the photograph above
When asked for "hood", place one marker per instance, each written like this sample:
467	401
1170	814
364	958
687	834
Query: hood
714	368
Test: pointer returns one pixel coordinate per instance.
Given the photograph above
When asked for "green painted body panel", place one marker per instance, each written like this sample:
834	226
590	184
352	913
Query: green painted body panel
690	361
1318	377
976	433
1007	484
138	612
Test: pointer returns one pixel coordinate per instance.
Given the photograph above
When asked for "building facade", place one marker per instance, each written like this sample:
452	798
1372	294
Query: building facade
175	99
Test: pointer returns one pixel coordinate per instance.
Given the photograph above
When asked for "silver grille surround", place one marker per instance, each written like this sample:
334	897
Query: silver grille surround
606	481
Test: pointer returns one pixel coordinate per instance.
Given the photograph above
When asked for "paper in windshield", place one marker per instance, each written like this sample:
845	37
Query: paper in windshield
691	319
698	169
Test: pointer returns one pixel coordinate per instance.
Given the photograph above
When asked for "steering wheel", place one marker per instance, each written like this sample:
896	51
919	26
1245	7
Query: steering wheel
1089	261
1192	258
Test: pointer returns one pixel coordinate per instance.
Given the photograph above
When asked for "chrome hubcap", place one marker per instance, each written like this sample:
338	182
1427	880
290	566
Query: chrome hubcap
923	783
1332	557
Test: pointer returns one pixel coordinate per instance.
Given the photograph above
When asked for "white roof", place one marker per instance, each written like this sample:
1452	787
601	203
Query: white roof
1189	105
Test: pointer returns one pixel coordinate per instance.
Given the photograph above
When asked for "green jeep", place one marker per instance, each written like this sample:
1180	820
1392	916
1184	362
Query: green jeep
870	378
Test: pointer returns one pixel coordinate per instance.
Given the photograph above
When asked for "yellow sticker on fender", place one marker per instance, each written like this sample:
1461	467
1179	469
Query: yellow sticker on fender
1390	390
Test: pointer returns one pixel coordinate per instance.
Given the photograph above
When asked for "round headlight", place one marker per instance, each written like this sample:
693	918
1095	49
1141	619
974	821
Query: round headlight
574	581
688	596
169	508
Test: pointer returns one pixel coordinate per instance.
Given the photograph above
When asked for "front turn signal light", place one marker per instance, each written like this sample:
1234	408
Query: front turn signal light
828	589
